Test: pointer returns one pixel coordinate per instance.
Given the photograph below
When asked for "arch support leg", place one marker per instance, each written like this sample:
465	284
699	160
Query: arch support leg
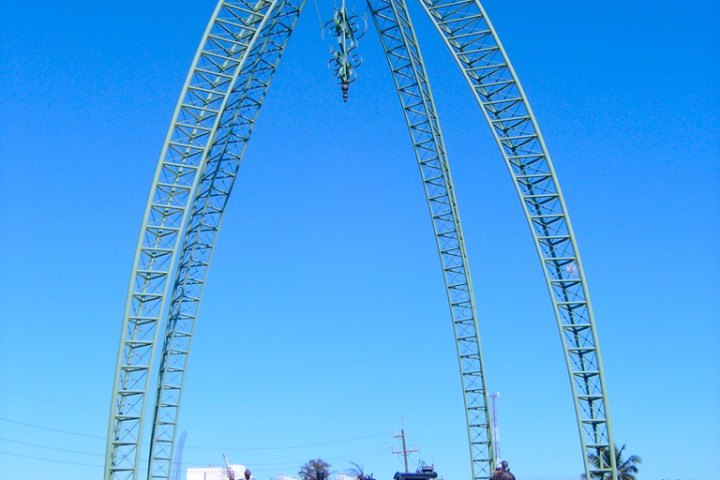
204	225
208	126
403	54
474	44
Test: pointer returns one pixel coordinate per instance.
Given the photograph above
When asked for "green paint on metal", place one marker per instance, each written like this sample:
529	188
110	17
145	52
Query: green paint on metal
403	54
203	227
185	154
211	126
474	44
346	29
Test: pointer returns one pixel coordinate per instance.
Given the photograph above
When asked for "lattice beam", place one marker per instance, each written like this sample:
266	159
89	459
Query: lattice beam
233	32
473	42
204	224
399	41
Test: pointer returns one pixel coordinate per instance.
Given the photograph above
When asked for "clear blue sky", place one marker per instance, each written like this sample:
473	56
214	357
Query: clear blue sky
325	319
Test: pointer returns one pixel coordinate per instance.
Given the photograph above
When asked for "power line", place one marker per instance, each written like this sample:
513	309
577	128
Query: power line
51	429
184	464
196	448
51	448
50	460
356	455
206	448
193	426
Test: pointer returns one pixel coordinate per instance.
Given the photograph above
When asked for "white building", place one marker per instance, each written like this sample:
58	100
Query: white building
215	473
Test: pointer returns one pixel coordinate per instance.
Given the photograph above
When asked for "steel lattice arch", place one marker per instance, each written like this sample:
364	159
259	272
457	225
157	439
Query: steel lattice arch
226	85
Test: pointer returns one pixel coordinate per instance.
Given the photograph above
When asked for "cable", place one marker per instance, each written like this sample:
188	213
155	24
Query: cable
203	448
192	426
245	448
52	448
184	464
51	429
51	460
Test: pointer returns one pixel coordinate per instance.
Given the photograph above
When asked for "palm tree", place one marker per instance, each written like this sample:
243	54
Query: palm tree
626	469
357	472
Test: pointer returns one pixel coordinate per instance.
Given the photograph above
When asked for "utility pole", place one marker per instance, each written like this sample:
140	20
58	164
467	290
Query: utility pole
496	428
405	451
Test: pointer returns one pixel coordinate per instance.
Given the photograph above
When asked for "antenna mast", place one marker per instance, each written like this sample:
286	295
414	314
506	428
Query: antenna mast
496	428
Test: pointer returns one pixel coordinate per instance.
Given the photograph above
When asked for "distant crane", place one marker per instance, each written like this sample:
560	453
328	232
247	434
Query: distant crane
496	428
178	458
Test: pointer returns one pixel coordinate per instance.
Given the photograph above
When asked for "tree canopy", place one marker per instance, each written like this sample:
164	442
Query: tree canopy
311	469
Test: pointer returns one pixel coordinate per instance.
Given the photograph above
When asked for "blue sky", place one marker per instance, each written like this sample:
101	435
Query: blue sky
325	319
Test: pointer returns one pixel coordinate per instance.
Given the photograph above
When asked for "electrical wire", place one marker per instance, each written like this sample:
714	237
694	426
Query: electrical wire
196	448
276	465
208	448
51	429
52	448
184	464
50	460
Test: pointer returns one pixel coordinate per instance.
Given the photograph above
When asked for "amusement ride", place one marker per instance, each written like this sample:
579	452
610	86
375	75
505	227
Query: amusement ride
225	88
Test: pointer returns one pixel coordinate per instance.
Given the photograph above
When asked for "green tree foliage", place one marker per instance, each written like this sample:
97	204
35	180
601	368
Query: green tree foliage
310	470
626	469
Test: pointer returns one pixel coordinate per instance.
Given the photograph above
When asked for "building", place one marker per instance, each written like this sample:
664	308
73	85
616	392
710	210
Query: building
215	473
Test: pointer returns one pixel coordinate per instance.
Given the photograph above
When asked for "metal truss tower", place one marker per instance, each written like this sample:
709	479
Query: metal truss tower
213	120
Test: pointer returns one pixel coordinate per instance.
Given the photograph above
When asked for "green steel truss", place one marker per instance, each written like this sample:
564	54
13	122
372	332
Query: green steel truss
403	54
468	33
218	106
216	184
212	122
